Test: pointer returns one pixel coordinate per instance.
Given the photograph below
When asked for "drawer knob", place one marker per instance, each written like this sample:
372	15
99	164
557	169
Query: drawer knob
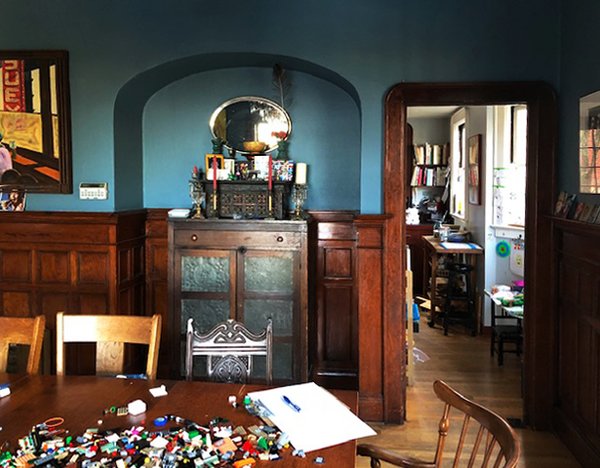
279	238
194	237
242	250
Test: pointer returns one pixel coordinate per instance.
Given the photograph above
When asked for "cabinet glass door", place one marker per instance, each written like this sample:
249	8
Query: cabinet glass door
266	289
207	290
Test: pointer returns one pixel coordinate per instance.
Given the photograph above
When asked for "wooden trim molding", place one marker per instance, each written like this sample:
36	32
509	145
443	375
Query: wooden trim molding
540	324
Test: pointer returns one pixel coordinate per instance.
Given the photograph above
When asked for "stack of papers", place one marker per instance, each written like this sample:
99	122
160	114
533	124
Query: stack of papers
311	416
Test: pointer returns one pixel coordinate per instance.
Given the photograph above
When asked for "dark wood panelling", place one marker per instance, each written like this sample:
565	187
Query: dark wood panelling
71	262
16	265
157	277
374	342
577	412
335	320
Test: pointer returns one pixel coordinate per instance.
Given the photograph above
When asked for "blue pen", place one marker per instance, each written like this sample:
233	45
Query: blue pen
290	403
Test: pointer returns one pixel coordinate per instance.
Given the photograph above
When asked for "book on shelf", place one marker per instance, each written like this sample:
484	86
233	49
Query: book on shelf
429	176
431	155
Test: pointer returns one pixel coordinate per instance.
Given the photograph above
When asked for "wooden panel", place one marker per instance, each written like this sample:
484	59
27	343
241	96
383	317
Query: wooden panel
125	266
16	304
156	278
338	263
16	265
92	268
578	311
53	266
373	381
67	261
335	335
339	330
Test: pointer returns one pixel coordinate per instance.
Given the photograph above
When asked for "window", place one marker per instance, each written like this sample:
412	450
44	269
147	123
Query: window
510	165
458	164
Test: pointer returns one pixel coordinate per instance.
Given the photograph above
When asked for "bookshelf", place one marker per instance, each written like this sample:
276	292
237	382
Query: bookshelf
430	168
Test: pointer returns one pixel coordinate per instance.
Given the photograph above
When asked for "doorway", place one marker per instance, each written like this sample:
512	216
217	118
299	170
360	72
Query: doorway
482	203
541	147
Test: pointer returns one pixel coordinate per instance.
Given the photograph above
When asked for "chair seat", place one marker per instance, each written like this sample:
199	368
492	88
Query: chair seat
508	330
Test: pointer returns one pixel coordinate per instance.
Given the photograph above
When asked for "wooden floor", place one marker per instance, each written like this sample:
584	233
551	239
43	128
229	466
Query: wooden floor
464	362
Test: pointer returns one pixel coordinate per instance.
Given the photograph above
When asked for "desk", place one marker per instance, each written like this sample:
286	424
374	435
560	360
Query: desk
434	249
80	400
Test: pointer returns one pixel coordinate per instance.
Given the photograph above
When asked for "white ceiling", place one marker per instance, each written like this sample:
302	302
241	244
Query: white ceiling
429	112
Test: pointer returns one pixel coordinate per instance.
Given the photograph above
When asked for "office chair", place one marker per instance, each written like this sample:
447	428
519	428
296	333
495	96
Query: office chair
26	331
110	333
229	348
489	441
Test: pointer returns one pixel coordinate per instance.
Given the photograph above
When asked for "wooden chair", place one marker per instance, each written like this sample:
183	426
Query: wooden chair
488	442
110	333
508	331
27	331
229	348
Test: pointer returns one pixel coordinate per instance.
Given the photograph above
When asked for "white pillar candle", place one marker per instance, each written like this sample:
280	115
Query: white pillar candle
301	173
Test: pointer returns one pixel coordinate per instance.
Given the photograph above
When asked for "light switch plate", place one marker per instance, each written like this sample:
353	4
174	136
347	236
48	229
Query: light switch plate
93	191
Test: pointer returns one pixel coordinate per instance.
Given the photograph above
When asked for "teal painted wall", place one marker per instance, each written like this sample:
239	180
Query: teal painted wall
359	48
579	76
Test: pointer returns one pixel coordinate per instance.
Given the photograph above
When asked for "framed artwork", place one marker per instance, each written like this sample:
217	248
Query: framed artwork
35	121
474	169
589	143
12	199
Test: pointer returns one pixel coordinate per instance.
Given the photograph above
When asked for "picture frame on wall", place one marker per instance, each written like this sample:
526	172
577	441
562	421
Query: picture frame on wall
35	121
474	169
12	199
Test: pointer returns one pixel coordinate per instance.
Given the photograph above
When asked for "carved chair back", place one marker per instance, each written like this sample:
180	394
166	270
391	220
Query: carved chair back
229	348
25	331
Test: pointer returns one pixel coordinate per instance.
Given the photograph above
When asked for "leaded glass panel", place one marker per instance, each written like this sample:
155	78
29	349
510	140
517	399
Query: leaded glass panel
269	274
257	311
207	274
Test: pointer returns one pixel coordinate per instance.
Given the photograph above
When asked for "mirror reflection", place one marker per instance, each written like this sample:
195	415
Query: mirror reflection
34	121
250	119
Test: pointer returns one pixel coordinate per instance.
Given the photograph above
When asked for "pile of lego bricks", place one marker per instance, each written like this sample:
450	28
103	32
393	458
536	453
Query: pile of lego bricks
178	442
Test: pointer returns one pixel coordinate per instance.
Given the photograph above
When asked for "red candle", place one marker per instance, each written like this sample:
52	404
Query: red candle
270	177
214	173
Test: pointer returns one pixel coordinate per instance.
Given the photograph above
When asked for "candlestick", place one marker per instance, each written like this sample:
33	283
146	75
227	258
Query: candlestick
214	168
270	176
301	173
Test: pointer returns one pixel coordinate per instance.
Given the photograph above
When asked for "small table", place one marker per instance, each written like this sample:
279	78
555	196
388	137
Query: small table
80	400
510	311
434	249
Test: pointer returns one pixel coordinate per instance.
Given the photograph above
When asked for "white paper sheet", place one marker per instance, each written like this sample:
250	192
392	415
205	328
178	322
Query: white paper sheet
459	245
323	420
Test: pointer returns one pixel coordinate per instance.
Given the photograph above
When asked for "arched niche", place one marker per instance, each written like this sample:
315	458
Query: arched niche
145	91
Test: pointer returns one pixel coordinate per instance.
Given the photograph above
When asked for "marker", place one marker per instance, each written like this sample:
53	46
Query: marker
290	403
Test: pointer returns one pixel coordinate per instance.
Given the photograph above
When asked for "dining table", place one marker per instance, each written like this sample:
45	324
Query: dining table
74	404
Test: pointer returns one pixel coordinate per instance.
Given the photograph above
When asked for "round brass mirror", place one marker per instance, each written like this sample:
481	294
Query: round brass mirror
243	123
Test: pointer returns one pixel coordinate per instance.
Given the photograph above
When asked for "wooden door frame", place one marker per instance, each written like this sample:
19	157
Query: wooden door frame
540	353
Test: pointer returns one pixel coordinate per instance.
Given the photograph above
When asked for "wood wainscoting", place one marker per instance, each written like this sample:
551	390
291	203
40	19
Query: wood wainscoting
577	299
109	263
72	262
348	249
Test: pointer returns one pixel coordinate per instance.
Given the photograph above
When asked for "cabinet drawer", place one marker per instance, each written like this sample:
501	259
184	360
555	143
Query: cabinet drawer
234	239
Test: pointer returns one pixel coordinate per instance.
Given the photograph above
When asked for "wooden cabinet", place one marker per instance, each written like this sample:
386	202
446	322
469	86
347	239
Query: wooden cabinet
245	270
